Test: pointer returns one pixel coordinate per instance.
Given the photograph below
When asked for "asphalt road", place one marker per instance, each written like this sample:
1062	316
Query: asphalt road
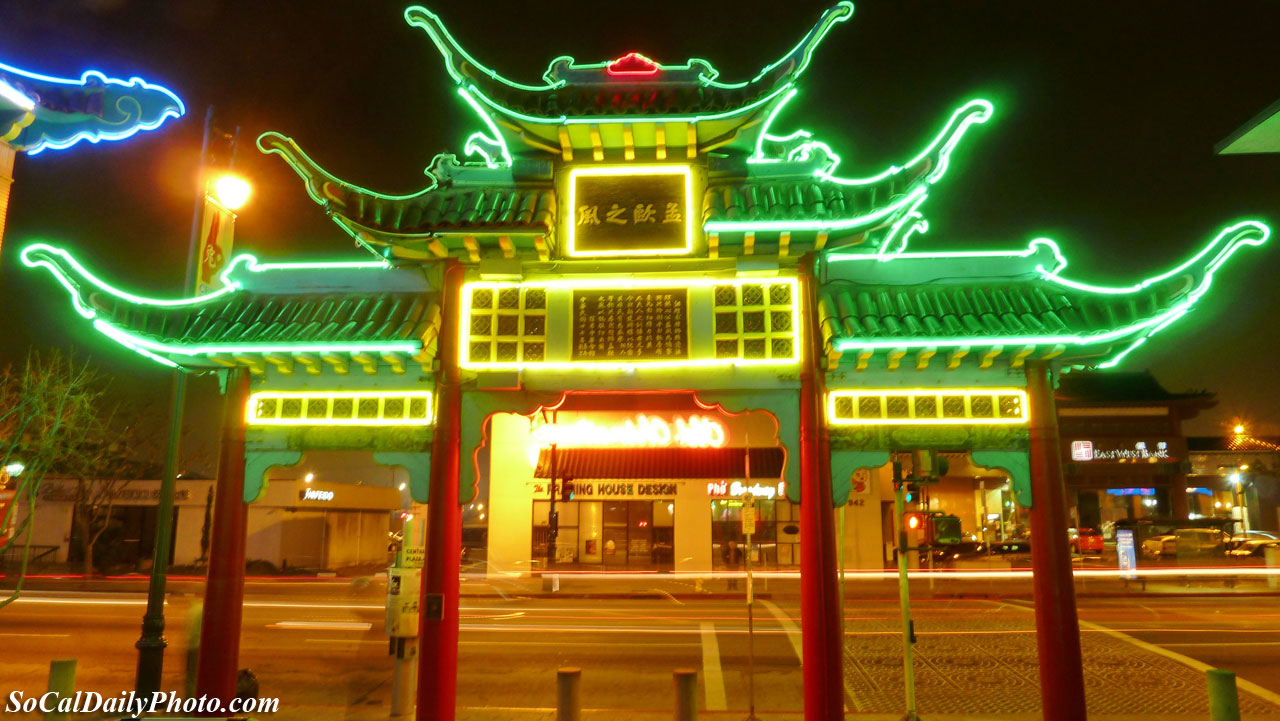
320	645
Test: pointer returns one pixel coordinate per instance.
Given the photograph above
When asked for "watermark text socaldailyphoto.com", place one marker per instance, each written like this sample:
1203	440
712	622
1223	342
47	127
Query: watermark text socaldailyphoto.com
131	705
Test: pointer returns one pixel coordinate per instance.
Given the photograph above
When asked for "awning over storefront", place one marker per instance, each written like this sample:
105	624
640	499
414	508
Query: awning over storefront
724	463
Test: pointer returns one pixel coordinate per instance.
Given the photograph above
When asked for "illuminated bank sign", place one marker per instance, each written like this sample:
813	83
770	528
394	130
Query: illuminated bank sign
638	431
630	210
1139	451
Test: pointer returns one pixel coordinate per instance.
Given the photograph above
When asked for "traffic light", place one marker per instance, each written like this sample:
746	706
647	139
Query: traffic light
566	490
945	528
913	521
910	490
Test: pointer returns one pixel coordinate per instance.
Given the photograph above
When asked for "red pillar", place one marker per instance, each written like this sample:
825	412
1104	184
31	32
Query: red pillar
819	599
224	589
438	609
1057	627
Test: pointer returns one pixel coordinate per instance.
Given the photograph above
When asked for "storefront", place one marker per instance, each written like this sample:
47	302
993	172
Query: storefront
1124	452
657	489
298	525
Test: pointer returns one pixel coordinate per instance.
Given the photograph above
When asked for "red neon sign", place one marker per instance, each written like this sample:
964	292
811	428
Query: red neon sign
632	64
694	431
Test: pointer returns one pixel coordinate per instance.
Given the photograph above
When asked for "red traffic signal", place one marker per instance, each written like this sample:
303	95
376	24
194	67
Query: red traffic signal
913	521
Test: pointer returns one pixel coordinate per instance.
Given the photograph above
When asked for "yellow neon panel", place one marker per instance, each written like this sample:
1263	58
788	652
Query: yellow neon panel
339	408
465	334
927	406
636	170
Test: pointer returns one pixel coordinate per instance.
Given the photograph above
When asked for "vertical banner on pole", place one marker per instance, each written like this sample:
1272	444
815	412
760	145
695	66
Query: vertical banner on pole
217	224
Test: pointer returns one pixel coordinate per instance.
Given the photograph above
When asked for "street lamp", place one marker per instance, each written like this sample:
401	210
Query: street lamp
14	469
230	192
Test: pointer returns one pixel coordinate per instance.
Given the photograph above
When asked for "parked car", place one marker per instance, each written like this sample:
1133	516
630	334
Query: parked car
1163	545
1014	545
1253	547
1203	543
1237	540
1085	540
956	551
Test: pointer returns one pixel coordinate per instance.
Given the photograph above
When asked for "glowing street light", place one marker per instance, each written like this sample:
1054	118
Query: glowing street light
309	477
14	469
1239	430
231	191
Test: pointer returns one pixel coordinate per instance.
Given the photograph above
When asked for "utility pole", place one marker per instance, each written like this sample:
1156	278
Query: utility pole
904	595
151	644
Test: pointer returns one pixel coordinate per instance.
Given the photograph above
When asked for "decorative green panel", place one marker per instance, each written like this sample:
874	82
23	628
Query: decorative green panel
1016	463
843	466
418	465
256	465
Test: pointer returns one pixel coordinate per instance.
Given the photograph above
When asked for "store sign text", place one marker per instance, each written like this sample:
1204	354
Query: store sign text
583	490
1087	451
313	494
641	431
725	489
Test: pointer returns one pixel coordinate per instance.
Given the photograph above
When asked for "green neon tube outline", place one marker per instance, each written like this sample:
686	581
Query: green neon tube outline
450	48
973	112
913	221
818	225
230	285
1031	250
838	13
132	339
150	348
617	119
308	169
471	147
1249	232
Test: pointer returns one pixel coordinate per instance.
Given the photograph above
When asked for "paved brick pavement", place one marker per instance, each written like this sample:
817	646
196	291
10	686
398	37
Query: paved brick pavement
991	670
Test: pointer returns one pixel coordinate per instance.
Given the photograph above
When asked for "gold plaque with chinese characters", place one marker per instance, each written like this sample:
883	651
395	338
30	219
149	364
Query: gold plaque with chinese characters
630	324
634	210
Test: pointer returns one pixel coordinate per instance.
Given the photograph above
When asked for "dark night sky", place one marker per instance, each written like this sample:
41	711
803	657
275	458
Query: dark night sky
1106	117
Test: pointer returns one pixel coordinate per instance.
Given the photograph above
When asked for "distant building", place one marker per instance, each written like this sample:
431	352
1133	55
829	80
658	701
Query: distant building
1242	471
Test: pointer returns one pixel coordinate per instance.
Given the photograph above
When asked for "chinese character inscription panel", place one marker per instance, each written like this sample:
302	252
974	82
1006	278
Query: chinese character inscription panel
649	324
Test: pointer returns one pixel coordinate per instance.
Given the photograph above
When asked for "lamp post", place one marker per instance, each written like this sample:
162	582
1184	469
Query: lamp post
231	193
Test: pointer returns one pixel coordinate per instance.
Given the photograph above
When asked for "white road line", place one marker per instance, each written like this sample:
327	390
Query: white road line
793	635
36	635
712	673
589	644
343	640
321	625
1251	687
1213	643
789	626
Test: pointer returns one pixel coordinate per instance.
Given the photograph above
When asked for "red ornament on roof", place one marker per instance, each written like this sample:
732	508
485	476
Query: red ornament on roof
632	64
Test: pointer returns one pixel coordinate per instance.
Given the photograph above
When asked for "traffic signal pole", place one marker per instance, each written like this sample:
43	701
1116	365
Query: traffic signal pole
1057	625
904	594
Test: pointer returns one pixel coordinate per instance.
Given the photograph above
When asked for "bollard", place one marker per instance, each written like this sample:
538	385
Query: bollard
62	681
568	696
1224	704
686	681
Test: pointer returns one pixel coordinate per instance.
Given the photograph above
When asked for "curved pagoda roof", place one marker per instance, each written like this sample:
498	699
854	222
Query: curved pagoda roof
365	314
1004	306
626	95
